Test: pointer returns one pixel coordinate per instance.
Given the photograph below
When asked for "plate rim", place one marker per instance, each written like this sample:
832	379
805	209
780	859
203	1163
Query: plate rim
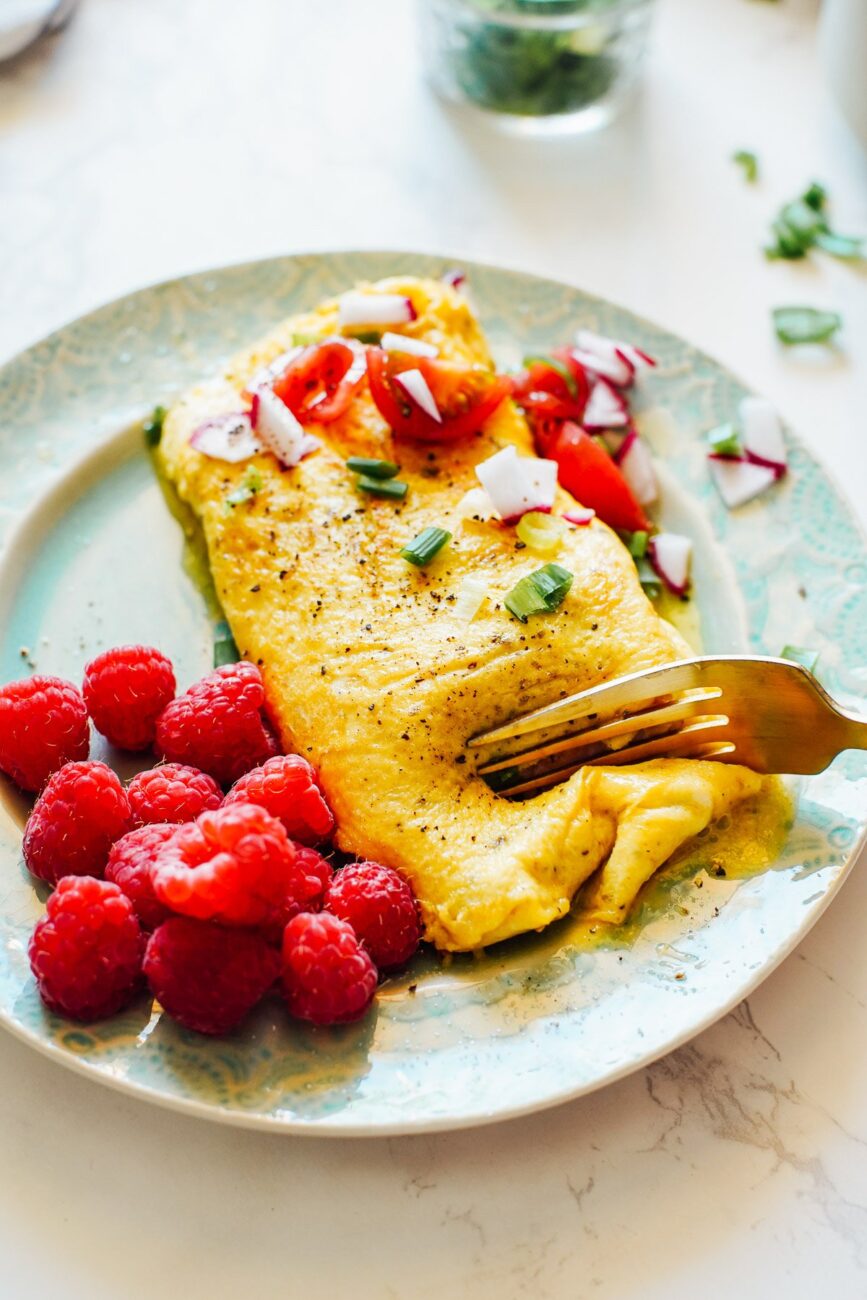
281	1123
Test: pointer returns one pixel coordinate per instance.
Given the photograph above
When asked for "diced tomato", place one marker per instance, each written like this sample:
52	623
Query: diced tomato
320	383
465	396
545	394
588	472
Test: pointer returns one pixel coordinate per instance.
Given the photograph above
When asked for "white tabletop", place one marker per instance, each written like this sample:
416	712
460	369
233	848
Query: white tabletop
161	136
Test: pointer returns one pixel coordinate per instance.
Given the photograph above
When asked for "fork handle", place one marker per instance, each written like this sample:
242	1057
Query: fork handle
853	731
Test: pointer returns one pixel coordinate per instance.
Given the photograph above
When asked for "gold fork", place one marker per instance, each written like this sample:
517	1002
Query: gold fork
769	714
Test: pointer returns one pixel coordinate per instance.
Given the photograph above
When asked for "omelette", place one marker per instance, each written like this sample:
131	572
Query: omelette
370	674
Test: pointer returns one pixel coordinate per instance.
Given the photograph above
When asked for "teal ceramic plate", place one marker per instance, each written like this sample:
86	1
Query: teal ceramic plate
92	557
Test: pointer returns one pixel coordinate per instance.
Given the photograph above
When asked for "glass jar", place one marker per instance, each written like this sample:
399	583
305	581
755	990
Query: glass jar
539	66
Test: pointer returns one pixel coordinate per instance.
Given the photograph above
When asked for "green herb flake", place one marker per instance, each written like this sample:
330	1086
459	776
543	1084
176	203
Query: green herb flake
649	579
552	363
848	247
245	491
725	440
805	324
637	544
373	337
540	592
801	655
378	469
377	487
225	649
802	225
749	164
422	549
153	426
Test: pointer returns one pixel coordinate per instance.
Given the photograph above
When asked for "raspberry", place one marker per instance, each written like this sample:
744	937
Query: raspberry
86	952
75	821
126	690
172	793
235	865
43	724
286	786
129	866
218	726
327	976
315	867
207	976
380	907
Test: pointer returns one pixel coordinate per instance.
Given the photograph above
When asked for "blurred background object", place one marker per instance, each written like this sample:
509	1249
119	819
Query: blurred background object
543	66
23	21
843	47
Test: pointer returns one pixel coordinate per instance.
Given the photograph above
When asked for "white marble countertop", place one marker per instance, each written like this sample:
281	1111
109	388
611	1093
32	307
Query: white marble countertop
160	136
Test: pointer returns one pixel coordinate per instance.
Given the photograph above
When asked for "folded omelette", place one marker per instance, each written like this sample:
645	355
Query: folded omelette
370	674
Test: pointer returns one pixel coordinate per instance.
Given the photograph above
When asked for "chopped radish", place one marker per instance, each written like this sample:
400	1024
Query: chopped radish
278	428
356	308
636	465
475	504
518	484
671	555
455	278
265	375
415	347
611	358
227	437
417	389
606	408
636	357
615	369
471	595
763	434
581	516
739	481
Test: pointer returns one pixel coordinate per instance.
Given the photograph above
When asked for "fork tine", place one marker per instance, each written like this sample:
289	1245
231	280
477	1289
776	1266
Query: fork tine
689	743
605	699
691	707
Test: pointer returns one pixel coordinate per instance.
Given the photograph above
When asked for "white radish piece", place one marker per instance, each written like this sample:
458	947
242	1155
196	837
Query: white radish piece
470	598
671	556
738	481
401	343
228	437
278	428
357	308
581	515
605	409
516	484
763	434
475	504
636	465
417	390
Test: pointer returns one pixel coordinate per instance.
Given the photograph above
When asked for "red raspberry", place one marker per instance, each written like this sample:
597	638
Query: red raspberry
218	726
286	786
380	907
172	793
43	724
86	952
327	976
129	866
235	865
75	821
315	867
206	976
126	690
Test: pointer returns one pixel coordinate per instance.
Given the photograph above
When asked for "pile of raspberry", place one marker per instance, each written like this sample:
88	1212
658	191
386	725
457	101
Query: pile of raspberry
209	877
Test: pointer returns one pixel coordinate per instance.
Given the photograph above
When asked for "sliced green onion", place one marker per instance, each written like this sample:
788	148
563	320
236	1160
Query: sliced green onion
725	440
373	337
649	579
225	649
245	491
816	196
153	426
540	592
805	324
801	655
380	469
423	548
304	340
541	532
749	162
553	364
636	544
378	487
846	246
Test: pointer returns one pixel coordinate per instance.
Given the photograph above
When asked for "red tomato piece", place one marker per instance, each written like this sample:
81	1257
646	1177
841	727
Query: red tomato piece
545	394
465	396
588	472
320	383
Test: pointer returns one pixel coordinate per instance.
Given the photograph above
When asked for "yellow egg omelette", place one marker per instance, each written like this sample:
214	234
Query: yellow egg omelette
370	673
